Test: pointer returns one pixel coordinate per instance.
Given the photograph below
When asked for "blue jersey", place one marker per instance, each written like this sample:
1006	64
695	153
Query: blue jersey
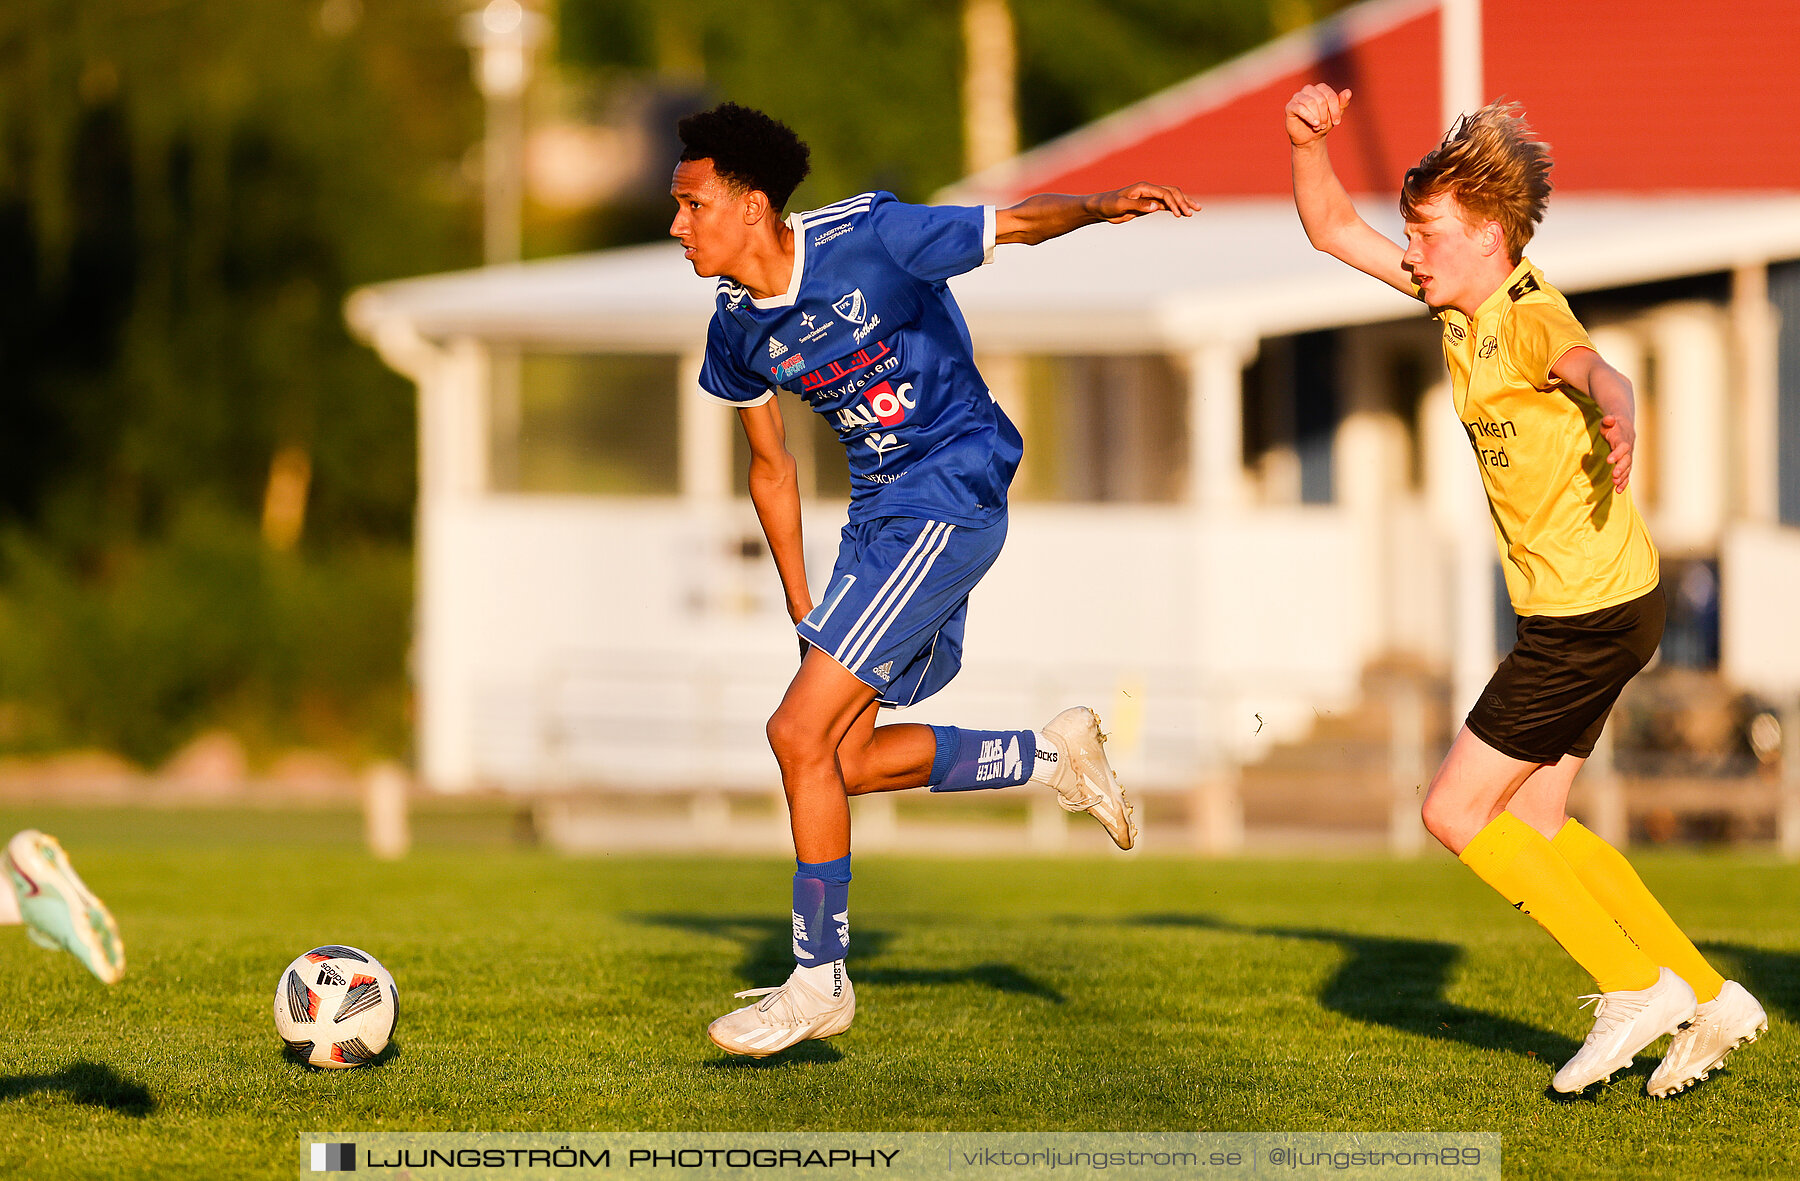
869	336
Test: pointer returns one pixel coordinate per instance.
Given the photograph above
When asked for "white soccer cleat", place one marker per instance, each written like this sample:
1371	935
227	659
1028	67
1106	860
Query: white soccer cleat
58	908
1721	1025
1624	1023
1084	779
794	1012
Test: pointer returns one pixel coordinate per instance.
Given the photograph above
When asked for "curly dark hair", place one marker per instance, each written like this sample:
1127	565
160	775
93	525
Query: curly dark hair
748	149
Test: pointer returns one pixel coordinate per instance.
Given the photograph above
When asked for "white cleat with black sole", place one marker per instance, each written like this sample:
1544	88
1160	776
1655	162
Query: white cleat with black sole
1624	1023
793	1012
1721	1025
1084	779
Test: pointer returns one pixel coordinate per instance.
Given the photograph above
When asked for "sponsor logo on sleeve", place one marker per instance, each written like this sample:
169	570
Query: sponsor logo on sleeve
789	367
1523	288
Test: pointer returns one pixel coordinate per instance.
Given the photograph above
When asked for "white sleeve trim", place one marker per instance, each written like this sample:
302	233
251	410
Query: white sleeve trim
989	231
767	394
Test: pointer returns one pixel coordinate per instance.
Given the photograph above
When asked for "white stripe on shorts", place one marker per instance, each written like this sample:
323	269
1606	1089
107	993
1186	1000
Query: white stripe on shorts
910	579
918	547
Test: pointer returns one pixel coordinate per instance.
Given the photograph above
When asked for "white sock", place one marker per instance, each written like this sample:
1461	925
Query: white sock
827	979
1047	764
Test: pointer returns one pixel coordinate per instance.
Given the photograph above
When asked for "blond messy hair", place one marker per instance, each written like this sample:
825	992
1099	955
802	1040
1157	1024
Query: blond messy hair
1493	167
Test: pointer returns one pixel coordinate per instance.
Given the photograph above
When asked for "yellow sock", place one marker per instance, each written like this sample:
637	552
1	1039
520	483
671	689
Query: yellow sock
1520	863
1617	887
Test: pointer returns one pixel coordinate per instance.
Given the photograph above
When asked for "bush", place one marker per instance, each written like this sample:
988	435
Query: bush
205	627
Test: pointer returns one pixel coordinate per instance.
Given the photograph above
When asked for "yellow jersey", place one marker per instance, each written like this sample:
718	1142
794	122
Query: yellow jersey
1568	542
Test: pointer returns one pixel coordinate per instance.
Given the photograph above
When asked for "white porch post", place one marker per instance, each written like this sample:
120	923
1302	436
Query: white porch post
705	443
1755	333
1216	424
1459	509
1460	82
453	461
1216	488
1691	440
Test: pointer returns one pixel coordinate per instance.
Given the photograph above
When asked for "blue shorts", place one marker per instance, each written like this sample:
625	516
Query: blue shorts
894	610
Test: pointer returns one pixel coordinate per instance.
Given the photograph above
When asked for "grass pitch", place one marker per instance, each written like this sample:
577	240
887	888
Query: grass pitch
546	994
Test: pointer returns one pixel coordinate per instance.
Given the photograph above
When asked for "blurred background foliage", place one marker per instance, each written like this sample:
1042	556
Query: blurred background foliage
188	190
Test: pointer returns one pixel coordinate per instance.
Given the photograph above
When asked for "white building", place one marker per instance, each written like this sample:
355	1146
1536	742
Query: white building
1243	484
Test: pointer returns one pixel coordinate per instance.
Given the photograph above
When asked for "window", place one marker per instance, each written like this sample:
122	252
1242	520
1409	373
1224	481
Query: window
1102	429
600	424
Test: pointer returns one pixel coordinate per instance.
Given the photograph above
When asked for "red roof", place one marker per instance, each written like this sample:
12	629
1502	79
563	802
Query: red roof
1634	96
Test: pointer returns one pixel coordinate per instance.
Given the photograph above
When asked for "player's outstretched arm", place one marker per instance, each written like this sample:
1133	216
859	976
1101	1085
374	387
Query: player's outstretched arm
1611	390
775	491
1330	217
1051	215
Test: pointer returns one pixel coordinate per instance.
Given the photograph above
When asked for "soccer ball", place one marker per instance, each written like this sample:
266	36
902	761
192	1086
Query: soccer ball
336	1007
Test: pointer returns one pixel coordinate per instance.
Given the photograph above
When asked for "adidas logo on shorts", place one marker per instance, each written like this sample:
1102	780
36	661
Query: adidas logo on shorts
884	671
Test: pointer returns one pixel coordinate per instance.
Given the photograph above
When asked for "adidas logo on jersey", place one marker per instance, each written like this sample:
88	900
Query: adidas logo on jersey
776	348
884	671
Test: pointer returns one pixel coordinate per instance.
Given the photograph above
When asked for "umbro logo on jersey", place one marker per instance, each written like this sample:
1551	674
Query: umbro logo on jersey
884	671
1456	333
776	348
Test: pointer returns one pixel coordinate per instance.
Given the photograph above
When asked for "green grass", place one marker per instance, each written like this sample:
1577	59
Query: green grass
549	994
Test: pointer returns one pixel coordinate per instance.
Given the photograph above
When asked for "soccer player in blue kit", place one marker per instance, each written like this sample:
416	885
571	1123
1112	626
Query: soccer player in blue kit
846	307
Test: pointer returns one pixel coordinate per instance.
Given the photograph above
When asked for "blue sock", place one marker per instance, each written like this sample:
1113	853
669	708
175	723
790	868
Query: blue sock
970	759
821	911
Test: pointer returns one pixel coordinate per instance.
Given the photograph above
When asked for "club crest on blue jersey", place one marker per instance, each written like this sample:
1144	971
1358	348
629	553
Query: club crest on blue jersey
852	307
887	357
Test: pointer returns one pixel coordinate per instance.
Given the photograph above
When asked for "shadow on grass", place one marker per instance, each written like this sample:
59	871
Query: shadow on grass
1400	983
768	956
1773	977
91	1084
799	1054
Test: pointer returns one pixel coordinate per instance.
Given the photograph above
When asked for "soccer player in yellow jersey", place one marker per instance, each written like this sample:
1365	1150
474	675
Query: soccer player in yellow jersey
1551	425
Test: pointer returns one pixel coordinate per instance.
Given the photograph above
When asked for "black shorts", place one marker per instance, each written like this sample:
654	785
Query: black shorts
1551	694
